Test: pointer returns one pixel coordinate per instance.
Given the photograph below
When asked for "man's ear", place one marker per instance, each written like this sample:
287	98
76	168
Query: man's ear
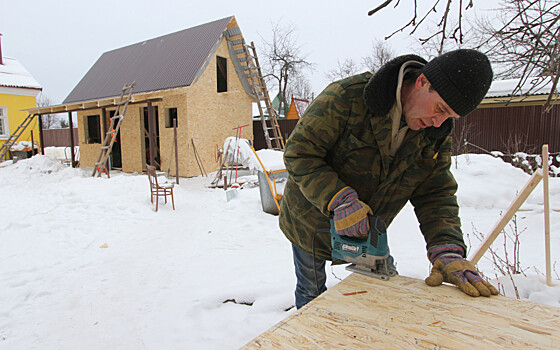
421	81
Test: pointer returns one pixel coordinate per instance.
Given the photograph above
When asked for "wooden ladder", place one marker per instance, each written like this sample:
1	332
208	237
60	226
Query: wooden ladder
252	69
14	137
112	131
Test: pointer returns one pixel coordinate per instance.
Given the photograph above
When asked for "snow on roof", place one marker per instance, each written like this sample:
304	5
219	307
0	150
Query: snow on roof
533	86
14	74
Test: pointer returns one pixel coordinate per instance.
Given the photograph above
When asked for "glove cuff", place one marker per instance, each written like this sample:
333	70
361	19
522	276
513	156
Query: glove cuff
445	249
345	195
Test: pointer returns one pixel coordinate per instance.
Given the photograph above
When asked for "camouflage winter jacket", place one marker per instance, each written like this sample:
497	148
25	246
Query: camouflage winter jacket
343	140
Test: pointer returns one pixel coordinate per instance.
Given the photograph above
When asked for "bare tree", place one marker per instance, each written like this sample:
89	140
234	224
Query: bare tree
444	27
49	120
283	59
63	123
381	52
345	69
525	43
534	21
299	87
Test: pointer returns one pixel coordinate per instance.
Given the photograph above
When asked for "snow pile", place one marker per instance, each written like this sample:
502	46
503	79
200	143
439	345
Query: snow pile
238	151
87	262
39	164
22	146
272	160
55	152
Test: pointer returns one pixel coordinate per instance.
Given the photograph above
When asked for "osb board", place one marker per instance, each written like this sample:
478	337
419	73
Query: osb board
404	313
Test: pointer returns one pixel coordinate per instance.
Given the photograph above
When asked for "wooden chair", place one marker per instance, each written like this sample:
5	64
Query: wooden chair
159	190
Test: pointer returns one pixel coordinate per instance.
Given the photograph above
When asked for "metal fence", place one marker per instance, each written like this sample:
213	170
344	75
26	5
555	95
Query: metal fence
508	130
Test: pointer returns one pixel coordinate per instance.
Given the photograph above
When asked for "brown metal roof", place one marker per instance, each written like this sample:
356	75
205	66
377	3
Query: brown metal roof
166	62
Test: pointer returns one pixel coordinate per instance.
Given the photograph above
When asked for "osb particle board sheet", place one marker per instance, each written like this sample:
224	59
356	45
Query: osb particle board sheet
405	313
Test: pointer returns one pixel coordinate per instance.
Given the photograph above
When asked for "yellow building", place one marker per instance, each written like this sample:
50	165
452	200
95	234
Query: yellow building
18	91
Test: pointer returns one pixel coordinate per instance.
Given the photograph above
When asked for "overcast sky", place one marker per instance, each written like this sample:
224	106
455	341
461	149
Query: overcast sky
59	40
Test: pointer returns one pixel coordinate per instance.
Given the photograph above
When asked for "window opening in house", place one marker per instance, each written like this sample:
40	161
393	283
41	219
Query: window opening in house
221	68
4	130
170	116
93	129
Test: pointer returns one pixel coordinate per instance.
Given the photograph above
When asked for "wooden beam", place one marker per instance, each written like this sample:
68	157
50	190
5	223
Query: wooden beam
236	37
71	128
404	313
546	216
151	138
41	135
513	207
81	106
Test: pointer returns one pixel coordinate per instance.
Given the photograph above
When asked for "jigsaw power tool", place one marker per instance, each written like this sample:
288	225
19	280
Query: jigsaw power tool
367	256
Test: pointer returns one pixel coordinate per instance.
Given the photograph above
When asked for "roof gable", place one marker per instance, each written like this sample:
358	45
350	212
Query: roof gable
165	62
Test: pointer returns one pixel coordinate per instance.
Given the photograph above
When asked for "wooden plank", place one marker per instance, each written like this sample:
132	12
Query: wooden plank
236	37
546	216
404	313
513	207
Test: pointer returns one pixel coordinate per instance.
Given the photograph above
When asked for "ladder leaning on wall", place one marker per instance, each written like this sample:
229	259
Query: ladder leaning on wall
15	136
113	130
252	69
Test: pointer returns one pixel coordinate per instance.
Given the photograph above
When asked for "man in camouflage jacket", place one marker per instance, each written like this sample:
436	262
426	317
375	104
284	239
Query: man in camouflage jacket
370	143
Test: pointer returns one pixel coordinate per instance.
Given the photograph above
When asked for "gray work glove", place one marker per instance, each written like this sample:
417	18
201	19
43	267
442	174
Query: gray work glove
450	266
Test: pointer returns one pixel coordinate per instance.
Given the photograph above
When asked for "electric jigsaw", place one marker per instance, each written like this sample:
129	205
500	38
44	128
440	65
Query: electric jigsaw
368	256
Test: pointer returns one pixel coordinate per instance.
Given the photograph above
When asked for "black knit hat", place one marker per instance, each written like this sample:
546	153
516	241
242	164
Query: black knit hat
461	77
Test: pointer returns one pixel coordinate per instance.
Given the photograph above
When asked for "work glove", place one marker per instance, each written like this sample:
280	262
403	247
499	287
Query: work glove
350	214
450	266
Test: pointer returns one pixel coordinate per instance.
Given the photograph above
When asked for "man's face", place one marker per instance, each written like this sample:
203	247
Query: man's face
424	107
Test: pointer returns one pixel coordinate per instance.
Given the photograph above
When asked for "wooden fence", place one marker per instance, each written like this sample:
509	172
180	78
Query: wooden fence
286	127
59	137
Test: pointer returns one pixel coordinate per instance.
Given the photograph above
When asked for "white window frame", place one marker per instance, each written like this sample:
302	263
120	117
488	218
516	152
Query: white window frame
4	121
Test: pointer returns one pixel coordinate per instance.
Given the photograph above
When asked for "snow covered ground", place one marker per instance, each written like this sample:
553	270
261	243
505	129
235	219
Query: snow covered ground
87	263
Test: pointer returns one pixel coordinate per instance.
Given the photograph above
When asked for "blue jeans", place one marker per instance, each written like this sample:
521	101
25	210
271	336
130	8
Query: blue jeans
311	276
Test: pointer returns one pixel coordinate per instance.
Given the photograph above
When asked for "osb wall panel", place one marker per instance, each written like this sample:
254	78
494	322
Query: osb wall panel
131	140
177	99
212	116
131	155
362	312
88	152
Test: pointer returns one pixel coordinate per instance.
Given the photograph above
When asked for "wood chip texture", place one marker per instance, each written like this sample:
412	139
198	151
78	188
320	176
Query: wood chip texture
405	313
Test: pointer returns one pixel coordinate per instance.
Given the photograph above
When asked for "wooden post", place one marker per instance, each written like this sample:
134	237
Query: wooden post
105	123
41	134
513	207
151	134
546	215
176	151
32	145
71	140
